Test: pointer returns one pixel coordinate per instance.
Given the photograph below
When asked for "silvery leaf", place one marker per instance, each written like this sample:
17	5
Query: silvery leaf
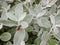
45	36
52	2
40	32
43	43
8	22
43	22
57	36
24	24
22	43
19	12
3	15
26	36
28	18
55	31
52	18
16	13
53	9
41	13
57	19
11	16
18	37
5	36
9	43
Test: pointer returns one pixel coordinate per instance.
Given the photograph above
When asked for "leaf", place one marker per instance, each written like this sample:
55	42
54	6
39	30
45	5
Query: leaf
28	18
52	18
22	43
41	13
55	31
53	9
26	36
19	12
9	43
52	42
57	19
5	36
43	22
11	16
3	15
57	36
43	43
8	22
29	28
45	36
44	2
37	41
24	24
16	13
18	37
52	2
9	1
40	32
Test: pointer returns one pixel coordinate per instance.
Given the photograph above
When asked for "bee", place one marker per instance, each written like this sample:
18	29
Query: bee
18	28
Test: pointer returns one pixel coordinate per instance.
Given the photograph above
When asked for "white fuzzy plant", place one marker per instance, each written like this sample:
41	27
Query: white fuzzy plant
45	15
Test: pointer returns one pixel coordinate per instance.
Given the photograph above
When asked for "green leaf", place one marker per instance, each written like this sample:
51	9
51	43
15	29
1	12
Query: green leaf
5	36
52	42
29	29
37	41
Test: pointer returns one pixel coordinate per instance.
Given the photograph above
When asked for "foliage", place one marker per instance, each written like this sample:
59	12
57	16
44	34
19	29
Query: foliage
29	22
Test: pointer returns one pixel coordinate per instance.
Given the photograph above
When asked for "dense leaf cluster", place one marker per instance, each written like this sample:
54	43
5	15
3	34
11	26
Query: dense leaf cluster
29	22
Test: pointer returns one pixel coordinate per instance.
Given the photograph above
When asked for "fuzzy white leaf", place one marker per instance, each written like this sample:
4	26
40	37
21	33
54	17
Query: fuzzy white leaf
44	22
57	19
43	43
24	24
45	36
52	2
9	43
22	43
55	31
11	16
41	13
5	36
19	12
28	18
18	37
8	22
26	36
52	18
